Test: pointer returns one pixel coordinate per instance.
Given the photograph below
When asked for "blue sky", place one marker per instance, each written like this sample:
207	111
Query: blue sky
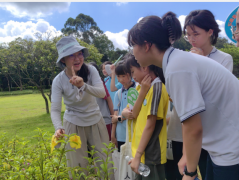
115	19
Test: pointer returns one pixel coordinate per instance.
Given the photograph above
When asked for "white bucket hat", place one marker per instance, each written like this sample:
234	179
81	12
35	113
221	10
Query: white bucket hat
66	46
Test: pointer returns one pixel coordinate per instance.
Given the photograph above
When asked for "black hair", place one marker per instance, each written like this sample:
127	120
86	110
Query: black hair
105	63
203	19
95	65
121	68
84	72
132	62
161	32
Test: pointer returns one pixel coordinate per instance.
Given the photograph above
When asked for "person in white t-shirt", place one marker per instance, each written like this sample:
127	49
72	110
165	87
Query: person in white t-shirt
201	31
204	93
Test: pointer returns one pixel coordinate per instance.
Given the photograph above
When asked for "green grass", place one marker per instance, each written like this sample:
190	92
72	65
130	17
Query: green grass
7	93
21	115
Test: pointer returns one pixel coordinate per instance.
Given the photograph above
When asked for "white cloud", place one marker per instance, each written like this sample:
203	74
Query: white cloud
181	20
222	27
121	3
140	19
34	9
26	30
119	39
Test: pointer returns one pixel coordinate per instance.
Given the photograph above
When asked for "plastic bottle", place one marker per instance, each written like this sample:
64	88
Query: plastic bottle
143	169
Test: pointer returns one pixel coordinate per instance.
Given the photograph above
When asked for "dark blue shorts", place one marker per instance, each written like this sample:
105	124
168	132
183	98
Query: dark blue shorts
215	172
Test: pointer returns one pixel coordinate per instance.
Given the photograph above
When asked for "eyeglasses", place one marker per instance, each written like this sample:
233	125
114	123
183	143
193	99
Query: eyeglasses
234	33
193	37
73	57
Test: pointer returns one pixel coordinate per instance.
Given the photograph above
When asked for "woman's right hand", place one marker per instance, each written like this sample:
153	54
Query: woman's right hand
59	133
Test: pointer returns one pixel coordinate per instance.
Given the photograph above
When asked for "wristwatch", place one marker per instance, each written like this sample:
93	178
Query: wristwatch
189	173
119	119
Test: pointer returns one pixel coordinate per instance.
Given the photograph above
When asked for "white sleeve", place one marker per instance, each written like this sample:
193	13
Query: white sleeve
185	91
56	99
228	62
96	89
56	115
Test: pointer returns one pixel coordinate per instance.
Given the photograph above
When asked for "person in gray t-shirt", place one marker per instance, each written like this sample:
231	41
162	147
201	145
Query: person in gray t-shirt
78	84
105	105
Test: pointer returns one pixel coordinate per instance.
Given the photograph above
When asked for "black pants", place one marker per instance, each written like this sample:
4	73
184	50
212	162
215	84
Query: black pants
203	163
120	143
215	172
171	167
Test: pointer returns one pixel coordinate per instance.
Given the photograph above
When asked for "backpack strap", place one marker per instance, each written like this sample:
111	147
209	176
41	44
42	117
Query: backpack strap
119	92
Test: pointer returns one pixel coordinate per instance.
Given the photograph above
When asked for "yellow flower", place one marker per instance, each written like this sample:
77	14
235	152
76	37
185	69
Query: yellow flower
6	166
75	142
53	142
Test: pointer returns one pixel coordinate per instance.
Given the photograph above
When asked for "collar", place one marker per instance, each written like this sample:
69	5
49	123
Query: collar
106	78
213	51
165	58
155	81
132	85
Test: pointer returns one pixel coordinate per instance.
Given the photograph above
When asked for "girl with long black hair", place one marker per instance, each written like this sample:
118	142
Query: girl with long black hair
204	93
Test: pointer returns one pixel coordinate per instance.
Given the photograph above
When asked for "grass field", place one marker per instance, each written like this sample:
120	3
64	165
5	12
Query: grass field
21	115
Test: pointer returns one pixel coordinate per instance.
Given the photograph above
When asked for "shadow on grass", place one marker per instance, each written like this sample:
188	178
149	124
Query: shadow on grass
25	127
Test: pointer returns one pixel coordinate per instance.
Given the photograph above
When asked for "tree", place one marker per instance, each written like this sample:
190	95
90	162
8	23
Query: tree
37	62
221	42
182	44
104	46
114	55
234	52
83	27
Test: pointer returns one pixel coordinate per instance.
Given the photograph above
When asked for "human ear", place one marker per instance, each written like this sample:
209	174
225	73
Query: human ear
146	46
63	60
145	69
210	32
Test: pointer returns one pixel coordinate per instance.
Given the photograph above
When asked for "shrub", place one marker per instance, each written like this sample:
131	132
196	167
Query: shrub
20	161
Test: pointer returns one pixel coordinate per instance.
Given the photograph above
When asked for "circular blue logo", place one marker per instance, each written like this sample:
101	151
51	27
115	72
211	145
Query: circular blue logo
230	25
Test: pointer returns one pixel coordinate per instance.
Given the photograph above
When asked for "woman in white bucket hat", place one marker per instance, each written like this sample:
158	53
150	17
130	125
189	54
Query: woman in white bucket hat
78	84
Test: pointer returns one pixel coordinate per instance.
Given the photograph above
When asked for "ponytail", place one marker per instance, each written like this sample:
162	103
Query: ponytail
158	72
173	26
161	32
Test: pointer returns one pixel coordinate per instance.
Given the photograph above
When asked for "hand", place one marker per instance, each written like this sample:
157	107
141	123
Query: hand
188	177
114	118
145	84
170	99
114	140
134	164
112	67
59	133
181	164
127	113
76	80
197	51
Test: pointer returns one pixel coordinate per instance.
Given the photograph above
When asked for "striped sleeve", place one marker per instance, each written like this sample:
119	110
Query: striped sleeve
157	90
